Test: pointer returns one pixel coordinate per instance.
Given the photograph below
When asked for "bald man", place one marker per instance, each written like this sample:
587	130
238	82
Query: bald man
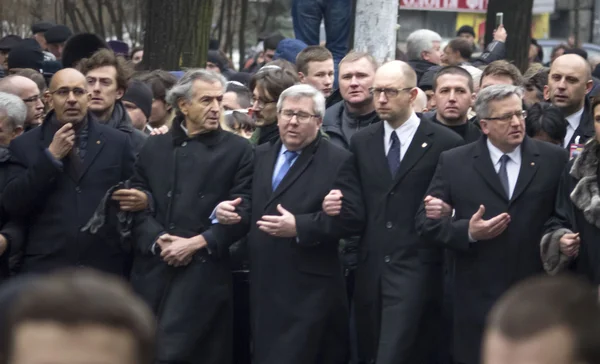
569	82
420	103
399	278
29	92
59	175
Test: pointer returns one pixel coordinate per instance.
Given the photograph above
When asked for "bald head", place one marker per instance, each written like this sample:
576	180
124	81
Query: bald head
28	91
420	103
399	70
68	96
17	85
66	75
569	81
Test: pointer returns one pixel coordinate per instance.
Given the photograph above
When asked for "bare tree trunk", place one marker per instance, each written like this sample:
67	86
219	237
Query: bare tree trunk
268	12
242	33
375	28
91	15
101	19
229	30
119	21
221	21
517	21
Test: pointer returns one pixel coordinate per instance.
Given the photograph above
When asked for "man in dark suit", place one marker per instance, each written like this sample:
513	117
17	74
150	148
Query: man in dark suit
502	189
398	280
59	173
298	299
181	266
569	82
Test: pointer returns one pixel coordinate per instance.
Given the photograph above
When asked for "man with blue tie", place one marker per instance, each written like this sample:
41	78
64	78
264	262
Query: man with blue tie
502	189
399	278
297	294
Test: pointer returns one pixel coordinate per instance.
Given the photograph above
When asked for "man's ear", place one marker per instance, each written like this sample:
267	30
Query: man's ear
18	131
120	93
183	106
546	92
48	99
301	76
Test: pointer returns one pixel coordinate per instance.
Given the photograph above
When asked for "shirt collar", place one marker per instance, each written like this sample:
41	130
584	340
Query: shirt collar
284	149
404	131
575	119
496	154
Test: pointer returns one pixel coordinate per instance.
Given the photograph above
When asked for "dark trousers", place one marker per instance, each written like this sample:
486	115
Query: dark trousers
241	317
337	14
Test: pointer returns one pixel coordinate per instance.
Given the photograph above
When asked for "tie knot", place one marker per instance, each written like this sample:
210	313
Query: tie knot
394	137
290	155
505	158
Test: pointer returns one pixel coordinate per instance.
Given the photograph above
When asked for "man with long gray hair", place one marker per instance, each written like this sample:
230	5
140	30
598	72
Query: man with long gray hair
181	263
13	114
502	189
298	300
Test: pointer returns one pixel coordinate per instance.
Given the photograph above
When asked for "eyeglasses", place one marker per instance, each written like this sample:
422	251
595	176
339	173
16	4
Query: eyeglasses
301	117
521	115
390	93
64	92
34	98
260	102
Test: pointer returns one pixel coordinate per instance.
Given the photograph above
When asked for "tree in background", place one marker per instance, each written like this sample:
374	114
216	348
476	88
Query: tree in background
517	21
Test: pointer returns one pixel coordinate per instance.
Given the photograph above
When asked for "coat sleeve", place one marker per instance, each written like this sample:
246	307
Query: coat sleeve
562	222
28	185
450	233
146	228
129	157
220	237
318	227
495	51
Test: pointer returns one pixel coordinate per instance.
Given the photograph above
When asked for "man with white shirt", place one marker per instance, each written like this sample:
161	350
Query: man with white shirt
398	279
502	189
569	82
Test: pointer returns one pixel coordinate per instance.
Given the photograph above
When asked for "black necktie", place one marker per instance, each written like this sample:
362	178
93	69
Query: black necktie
393	156
503	174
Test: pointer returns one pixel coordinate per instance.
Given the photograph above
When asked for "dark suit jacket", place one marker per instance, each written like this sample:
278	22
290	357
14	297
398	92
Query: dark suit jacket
298	300
57	204
391	250
465	178
188	178
585	130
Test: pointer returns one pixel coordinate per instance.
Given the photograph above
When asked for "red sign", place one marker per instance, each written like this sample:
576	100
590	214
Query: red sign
470	6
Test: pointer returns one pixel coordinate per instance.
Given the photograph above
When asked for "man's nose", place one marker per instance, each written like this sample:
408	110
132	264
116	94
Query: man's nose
382	98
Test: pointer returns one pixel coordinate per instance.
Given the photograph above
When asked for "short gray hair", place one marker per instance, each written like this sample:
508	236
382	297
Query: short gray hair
183	87
494	93
14	108
420	41
304	90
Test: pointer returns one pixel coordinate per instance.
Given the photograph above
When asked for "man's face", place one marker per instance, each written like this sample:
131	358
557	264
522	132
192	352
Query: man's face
508	133
300	130
492	80
204	109
137	116
392	107
467	37
160	111
268	55
56	49
451	57
431	103
35	107
213	67
3	59
453	98
355	80
531	96
264	107
567	86
597	121
49	342
137	57
7	132
320	76
69	97
434	55
102	85
553	346
230	101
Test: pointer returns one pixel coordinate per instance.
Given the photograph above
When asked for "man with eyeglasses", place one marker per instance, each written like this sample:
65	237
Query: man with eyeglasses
59	173
29	92
502	189
297	294
399	277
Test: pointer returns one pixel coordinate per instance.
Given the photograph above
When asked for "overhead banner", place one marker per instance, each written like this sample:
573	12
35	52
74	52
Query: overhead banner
467	6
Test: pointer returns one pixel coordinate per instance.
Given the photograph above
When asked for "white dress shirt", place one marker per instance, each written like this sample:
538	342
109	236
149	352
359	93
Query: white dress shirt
405	133
573	123
513	165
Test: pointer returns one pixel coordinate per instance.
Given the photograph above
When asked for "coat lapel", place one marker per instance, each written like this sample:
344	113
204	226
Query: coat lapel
303	161
529	166
419	145
95	143
483	165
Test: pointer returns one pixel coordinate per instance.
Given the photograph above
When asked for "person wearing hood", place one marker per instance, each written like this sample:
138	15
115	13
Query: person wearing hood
288	49
218	63
107	76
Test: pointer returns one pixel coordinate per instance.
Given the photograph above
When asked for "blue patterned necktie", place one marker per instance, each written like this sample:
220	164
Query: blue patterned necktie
503	174
393	156
290	157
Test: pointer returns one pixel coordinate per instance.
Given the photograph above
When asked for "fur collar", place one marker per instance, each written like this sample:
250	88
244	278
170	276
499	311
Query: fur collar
586	194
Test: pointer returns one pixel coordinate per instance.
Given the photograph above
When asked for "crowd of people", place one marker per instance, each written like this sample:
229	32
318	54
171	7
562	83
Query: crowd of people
310	208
